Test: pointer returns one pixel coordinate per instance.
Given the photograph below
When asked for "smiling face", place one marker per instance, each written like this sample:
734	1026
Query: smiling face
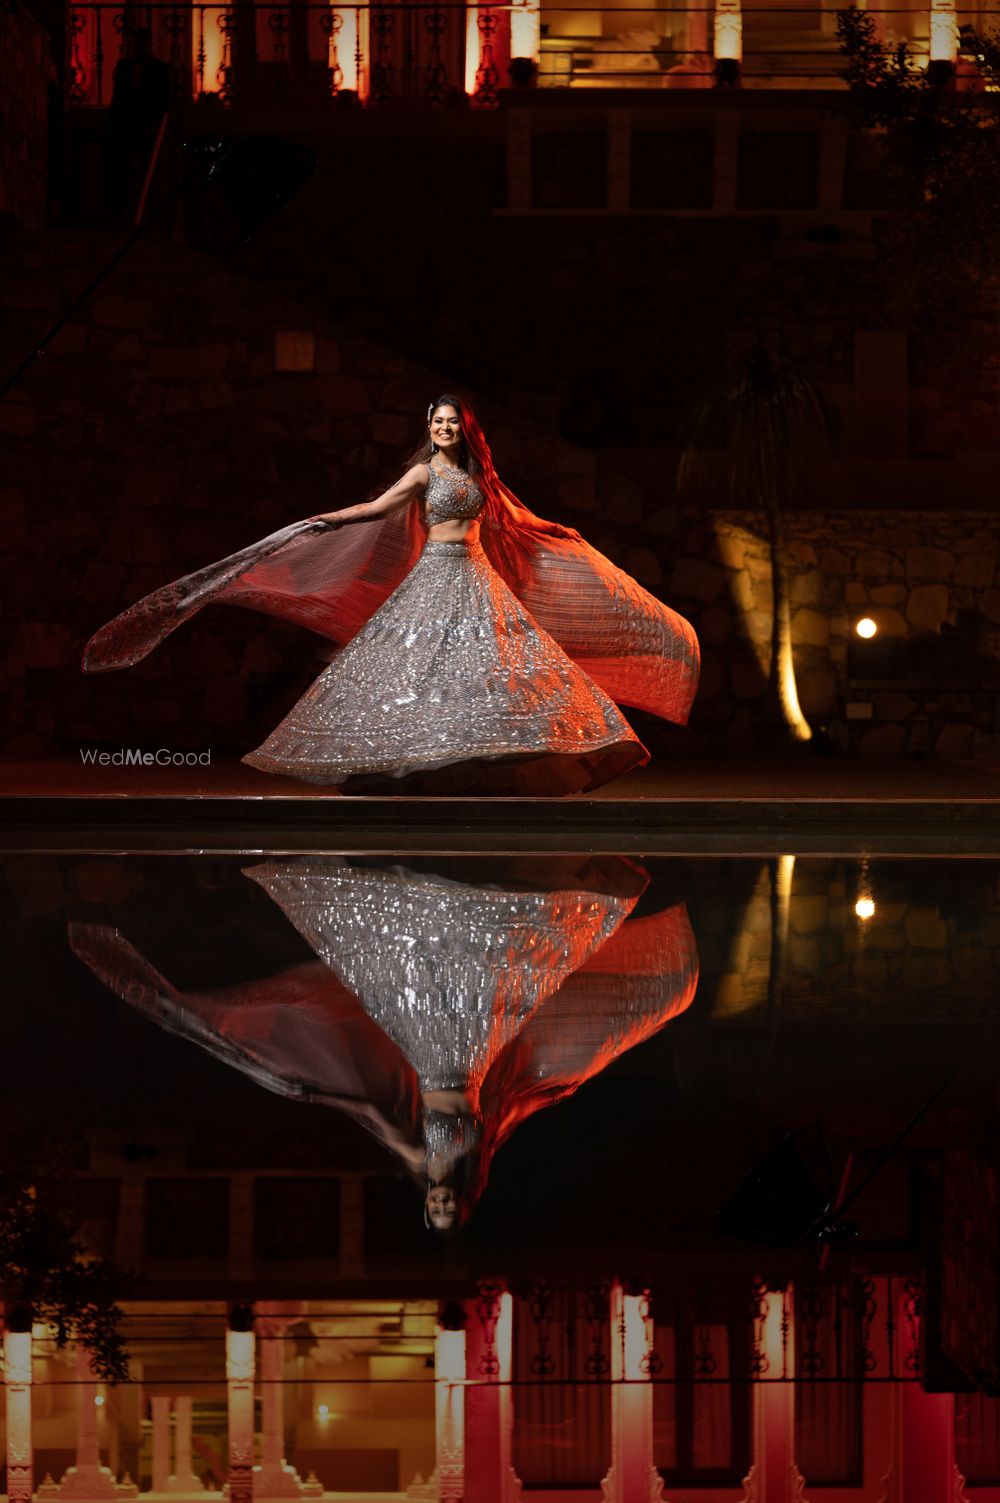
446	430
442	1207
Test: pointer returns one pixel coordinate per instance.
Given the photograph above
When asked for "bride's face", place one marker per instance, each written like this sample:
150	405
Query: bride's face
442	1207
446	429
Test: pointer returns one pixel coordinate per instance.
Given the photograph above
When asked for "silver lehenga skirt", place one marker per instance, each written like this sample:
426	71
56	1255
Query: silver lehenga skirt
453	686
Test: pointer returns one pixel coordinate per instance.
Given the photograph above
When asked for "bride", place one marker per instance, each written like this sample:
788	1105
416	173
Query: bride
481	648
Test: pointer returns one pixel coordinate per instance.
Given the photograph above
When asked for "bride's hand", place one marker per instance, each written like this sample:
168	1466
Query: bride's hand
329	518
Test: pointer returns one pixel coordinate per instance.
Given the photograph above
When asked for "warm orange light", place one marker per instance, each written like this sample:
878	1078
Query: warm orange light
240	1354
864	908
636	1341
17	1357
866	627
729	30
471	48
525	30
944	31
207	30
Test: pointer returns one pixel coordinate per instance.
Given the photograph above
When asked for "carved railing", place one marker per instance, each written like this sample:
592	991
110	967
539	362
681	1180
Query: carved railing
445	52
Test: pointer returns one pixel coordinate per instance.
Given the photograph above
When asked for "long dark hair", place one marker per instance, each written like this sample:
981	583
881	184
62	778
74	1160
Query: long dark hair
474	454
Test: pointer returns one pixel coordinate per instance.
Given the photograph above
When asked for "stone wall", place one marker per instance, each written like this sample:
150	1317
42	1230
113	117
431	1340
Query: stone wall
922	957
158	435
929	682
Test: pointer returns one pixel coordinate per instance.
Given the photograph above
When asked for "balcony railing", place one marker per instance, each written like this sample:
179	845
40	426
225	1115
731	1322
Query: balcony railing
443	52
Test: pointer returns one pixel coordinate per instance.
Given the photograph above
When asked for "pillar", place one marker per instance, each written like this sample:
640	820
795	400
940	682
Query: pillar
274	1478
88	1479
160	1409
774	1476
632	1478
182	1479
923	1468
449	1414
240	1369
489	1405
17	1383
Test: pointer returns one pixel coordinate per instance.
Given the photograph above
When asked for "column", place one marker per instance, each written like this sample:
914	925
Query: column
923	1468
774	1476
160	1409
449	1413
88	1479
182	1479
17	1383
489	1406
240	1368
633	1478
274	1478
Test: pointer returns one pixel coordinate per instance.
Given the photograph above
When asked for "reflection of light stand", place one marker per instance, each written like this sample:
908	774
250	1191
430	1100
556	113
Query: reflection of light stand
779	1204
255	177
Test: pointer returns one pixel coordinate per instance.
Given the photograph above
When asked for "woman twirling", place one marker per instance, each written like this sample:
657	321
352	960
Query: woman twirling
481	648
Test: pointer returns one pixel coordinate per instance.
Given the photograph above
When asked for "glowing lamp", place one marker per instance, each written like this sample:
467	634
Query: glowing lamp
944	31
323	1411
864	908
99	1400
525	30
471	48
866	627
636	1337
240	1356
17	1358
728	42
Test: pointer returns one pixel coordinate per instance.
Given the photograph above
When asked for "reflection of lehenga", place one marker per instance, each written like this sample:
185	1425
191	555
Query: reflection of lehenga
451	971
542	991
471	666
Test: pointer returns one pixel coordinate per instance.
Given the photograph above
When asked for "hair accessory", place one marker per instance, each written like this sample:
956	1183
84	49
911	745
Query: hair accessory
430	412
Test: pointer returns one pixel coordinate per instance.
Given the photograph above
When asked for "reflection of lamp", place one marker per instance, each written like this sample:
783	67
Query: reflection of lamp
943	43
871	653
728	43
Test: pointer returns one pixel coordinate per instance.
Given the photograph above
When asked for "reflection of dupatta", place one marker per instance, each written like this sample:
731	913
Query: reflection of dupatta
639	651
641	979
299	1034
302	1034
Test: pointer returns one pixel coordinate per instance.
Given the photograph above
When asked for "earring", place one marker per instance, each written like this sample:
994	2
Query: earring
434	447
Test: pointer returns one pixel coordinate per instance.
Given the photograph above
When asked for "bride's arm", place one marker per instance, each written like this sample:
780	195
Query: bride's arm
413	483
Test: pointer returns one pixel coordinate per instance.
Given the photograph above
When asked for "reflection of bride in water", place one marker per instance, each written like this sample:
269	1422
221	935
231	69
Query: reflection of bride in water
444	1012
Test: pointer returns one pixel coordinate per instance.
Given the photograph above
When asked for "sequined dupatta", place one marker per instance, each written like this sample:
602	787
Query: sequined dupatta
636	648
299	1033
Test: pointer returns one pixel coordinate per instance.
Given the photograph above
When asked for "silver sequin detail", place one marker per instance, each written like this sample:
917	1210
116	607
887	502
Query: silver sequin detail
451	495
450	971
451	667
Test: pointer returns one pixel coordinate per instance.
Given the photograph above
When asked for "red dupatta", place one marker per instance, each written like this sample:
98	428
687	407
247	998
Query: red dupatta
636	648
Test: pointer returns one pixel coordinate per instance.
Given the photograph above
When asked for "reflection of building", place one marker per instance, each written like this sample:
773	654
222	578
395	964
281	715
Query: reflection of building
561	1389
419	52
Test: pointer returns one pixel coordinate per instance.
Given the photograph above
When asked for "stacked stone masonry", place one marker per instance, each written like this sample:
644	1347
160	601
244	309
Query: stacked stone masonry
158	435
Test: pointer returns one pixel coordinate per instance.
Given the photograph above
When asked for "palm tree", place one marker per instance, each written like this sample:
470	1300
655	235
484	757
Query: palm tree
764	434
